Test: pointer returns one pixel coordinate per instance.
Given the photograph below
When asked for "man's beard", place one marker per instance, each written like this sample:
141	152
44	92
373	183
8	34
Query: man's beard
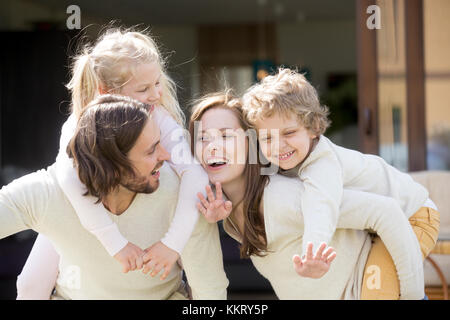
141	184
140	187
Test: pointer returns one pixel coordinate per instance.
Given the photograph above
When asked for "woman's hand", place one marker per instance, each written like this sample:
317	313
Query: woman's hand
214	209
314	267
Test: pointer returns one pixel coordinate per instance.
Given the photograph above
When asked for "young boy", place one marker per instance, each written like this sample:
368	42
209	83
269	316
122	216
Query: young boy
290	120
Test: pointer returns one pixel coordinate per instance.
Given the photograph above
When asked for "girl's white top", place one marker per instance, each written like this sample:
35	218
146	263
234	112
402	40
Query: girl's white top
94	217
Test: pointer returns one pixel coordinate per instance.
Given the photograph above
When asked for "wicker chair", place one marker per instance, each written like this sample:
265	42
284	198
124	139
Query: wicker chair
437	265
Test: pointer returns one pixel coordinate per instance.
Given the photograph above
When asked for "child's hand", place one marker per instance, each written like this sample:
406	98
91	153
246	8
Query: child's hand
157	257
130	257
214	209
314	267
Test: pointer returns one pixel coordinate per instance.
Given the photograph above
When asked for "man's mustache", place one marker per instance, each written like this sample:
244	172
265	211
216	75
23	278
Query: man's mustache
158	166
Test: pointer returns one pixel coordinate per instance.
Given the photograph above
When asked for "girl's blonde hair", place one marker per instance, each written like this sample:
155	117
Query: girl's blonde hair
111	63
286	93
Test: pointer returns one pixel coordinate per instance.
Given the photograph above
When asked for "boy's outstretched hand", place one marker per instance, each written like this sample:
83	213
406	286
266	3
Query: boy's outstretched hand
215	208
314	266
158	257
130	257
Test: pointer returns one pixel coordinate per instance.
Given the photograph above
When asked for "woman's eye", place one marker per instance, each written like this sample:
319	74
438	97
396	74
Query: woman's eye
143	90
290	132
158	83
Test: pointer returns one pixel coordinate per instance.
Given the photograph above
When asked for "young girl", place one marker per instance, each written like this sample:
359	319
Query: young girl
290	121
126	63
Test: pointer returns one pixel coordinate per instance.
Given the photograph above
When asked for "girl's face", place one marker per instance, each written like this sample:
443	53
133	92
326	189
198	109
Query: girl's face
145	85
221	145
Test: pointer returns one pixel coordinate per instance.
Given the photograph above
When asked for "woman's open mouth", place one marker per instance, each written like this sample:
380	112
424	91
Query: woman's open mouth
216	163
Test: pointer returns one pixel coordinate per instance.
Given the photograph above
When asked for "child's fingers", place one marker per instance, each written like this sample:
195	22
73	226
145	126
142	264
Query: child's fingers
148	266
218	191
228	206
147	257
132	263
327	253
309	251
167	270
156	269
204	202
139	262
209	194
297	261
201	208
331	257
319	252
125	267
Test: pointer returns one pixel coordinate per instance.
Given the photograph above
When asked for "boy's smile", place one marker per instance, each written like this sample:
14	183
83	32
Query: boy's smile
284	140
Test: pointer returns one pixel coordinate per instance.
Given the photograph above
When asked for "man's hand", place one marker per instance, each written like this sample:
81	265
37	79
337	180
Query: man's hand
314	267
158	257
130	257
214	209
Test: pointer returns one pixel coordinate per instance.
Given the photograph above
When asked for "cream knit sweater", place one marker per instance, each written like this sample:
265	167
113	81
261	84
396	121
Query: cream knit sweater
87	271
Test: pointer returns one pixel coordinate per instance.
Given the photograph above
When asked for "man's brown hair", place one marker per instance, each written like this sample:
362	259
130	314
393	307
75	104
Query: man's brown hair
107	130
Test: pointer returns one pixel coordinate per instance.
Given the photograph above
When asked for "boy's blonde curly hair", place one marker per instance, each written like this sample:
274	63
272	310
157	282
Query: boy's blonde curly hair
286	93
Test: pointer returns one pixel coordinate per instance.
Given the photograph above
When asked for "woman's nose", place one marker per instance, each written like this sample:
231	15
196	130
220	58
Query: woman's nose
214	147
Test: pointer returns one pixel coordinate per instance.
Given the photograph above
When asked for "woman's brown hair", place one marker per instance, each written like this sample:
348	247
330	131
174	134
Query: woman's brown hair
254	238
107	130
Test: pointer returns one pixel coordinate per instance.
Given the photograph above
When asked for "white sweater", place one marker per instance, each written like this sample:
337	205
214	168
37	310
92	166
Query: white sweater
330	168
284	225
94	217
37	202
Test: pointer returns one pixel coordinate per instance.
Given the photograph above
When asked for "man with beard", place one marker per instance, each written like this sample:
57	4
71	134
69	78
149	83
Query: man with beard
118	156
